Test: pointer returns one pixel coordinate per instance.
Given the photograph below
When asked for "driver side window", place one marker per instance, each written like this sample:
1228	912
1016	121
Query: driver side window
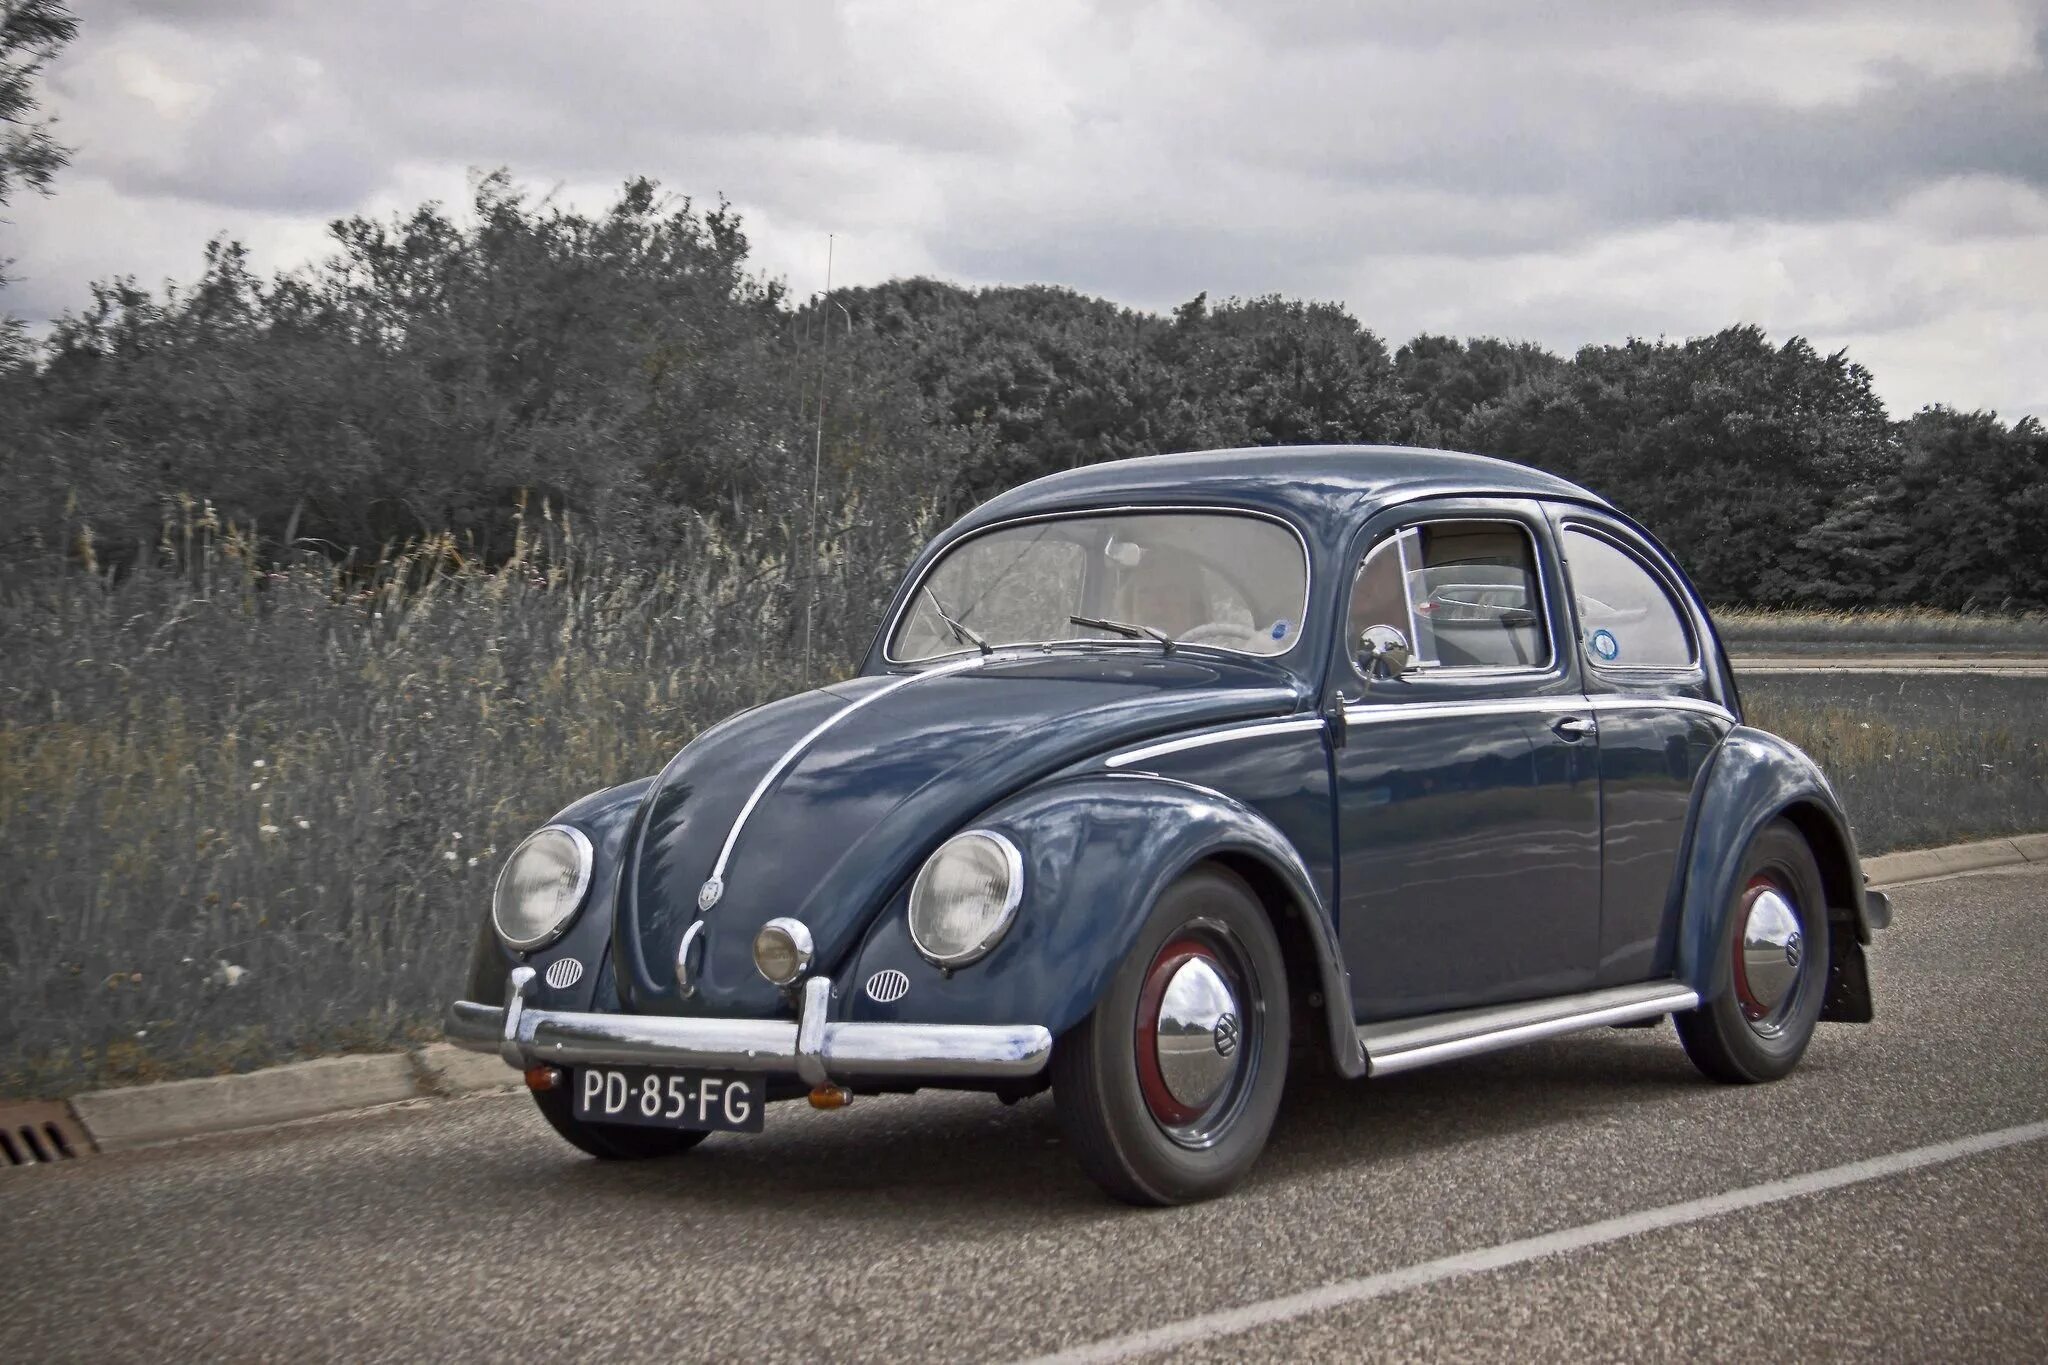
1463	594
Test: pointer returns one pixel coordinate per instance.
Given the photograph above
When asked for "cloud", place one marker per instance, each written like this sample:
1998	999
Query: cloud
1870	175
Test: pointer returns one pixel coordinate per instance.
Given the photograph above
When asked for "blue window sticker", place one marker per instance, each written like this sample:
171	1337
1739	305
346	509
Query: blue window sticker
1279	631
1606	646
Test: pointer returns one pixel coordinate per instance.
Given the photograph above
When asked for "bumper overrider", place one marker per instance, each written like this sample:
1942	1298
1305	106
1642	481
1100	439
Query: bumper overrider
814	1048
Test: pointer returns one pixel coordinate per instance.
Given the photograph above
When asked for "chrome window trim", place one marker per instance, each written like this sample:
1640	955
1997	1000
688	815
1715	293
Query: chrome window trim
714	886
1689	614
1220	509
585	854
1410	533
1013	897
1174	746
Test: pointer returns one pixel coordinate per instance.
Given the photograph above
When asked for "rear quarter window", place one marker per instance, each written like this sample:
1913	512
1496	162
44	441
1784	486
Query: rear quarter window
1627	618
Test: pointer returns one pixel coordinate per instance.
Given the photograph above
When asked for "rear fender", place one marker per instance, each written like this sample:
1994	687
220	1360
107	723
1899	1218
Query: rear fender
1098	851
1754	778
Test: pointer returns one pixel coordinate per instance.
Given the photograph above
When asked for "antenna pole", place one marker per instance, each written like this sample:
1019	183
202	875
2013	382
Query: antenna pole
817	463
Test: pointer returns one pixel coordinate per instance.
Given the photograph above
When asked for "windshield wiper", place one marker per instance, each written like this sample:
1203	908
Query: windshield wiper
966	635
1126	629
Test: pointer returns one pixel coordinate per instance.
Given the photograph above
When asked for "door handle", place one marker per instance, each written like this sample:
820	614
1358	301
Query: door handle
1572	728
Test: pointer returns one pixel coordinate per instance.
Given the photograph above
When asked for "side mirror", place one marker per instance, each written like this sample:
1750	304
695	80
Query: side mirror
1382	652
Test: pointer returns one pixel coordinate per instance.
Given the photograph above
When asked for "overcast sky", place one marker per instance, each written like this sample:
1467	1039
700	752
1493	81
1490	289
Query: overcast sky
1871	175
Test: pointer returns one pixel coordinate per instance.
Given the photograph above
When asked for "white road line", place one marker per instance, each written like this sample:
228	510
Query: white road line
1209	1326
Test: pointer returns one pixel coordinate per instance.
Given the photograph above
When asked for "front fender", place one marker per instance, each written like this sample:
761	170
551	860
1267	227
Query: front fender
1754	778
606	817
1098	851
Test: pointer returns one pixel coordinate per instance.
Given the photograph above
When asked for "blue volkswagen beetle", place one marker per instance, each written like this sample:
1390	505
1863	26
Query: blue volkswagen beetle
1168	775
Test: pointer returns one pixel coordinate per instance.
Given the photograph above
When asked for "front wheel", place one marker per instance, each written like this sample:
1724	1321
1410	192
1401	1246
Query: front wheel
1774	940
1168	1089
611	1141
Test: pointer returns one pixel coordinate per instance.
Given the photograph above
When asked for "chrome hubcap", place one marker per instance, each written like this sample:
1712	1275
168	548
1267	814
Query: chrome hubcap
1197	1033
1770	954
1197	1036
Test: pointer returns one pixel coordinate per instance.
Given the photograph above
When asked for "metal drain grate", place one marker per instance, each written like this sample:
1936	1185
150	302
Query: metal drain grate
33	1132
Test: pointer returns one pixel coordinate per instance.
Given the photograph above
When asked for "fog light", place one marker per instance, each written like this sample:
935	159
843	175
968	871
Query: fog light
540	1078
782	950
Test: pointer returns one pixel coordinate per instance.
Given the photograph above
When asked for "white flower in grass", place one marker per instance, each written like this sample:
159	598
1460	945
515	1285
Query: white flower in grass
449	855
270	829
472	862
255	786
259	763
226	973
303	823
457	838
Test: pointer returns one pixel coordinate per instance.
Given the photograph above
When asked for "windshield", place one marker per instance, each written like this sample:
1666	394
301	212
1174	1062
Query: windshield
1228	580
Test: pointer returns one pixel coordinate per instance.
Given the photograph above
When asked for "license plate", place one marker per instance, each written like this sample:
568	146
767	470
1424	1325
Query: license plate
659	1097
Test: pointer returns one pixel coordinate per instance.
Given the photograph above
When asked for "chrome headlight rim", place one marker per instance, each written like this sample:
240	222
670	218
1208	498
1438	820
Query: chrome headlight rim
1013	897
586	858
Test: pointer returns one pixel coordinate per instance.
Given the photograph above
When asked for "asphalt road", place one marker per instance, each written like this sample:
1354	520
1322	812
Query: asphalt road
951	1227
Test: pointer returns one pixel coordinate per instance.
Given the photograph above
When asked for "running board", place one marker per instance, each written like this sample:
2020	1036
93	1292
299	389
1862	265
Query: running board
1404	1044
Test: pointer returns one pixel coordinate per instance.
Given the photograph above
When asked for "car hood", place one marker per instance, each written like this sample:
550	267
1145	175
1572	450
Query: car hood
858	782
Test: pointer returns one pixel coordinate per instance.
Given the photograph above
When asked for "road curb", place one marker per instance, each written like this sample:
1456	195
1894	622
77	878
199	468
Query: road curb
144	1115
1921	863
137	1116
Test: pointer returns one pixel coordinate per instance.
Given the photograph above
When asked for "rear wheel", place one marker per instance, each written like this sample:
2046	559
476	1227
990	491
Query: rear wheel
611	1141
1774	941
1167	1091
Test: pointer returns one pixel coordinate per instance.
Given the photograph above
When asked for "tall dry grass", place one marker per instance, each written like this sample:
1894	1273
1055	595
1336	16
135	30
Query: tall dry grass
248	813
1918	761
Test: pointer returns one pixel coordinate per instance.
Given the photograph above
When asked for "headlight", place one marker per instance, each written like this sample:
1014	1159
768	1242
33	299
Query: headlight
965	896
782	950
541	887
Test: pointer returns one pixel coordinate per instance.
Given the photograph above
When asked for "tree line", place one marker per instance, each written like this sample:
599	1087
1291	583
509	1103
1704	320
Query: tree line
630	367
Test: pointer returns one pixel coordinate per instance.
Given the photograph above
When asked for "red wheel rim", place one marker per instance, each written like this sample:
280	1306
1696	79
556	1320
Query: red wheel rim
1151	1081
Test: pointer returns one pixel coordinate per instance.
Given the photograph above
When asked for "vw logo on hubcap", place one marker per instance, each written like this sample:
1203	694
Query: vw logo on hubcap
1226	1035
1794	946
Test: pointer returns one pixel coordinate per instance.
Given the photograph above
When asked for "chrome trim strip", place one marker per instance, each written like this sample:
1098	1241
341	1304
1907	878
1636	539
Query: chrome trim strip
1619	702
1308	568
1364	713
710	897
1404	1044
1174	746
1356	713
863	1051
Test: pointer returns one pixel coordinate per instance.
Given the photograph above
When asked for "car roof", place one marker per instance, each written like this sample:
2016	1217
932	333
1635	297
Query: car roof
1308	481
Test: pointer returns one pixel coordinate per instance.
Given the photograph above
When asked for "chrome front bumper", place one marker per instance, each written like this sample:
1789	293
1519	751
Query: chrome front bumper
814	1048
